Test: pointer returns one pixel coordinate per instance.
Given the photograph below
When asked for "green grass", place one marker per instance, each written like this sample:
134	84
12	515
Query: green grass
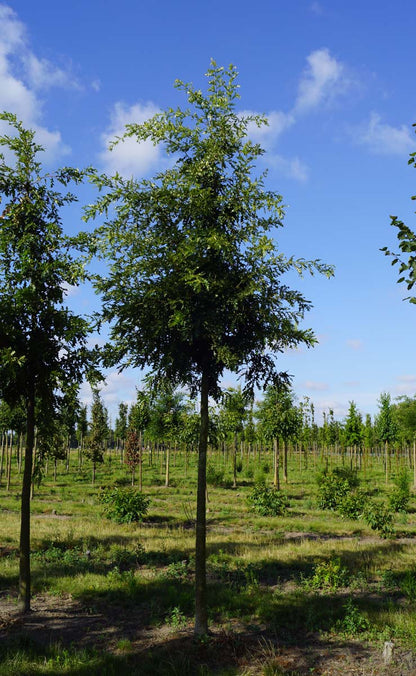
285	575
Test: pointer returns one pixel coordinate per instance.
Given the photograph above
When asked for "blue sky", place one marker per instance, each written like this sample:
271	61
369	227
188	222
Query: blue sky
337	83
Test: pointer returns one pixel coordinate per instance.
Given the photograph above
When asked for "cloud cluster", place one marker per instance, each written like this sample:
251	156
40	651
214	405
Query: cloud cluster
129	157
383	139
322	81
23	76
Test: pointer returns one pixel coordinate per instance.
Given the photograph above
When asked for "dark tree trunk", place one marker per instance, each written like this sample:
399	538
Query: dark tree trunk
201	615
285	461
276	480
24	569
235	462
167	465
140	462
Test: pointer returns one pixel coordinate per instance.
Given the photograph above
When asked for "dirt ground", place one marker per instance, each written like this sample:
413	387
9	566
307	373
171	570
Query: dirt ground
62	620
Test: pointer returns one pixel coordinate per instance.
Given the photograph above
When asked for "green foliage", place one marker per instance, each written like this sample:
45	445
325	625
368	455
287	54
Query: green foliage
386	425
400	497
328	575
124	505
179	570
379	518
176	619
352	504
408	585
215	476
407	245
334	485
37	264
278	417
99	431
268	501
353	432
194	282
353	622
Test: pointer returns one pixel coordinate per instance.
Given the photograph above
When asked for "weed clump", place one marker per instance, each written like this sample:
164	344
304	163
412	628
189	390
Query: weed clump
124	505
400	497
327	575
267	501
379	517
334	485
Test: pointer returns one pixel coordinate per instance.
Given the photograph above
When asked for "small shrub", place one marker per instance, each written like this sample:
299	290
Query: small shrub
334	485
400	498
353	622
179	570
215	477
268	501
352	504
176	619
259	477
408	585
250	472
328	575
239	466
124	505
379	518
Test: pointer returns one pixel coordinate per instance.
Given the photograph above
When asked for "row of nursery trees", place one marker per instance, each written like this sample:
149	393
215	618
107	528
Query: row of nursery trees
169	420
192	284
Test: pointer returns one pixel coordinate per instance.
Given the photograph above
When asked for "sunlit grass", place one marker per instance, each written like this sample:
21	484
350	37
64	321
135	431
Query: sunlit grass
257	566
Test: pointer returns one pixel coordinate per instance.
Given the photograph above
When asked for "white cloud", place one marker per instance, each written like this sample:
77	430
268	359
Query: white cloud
316	386
118	387
407	384
42	74
323	79
267	134
355	344
383	139
290	167
316	8
22	73
129	157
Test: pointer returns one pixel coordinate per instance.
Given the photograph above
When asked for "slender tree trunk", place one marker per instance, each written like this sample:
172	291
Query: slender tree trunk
167	465
386	458
3	445
276	480
24	564
235	462
201	614
414	463
9	460
285	461
140	462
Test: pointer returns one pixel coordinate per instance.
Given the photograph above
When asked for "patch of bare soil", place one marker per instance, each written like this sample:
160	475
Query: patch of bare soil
62	620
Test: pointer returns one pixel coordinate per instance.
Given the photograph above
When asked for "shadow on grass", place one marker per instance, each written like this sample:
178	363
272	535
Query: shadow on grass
224	653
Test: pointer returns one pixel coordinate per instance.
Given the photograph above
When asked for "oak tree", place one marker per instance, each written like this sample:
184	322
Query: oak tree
43	351
195	283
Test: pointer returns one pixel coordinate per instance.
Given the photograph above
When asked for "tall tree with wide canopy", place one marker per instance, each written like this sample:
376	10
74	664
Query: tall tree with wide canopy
195	284
43	352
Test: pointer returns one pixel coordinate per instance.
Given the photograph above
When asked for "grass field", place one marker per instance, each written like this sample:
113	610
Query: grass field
307	592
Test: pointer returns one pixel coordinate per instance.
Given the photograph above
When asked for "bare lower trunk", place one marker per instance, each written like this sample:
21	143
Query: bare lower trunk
201	615
276	481
24	567
285	461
